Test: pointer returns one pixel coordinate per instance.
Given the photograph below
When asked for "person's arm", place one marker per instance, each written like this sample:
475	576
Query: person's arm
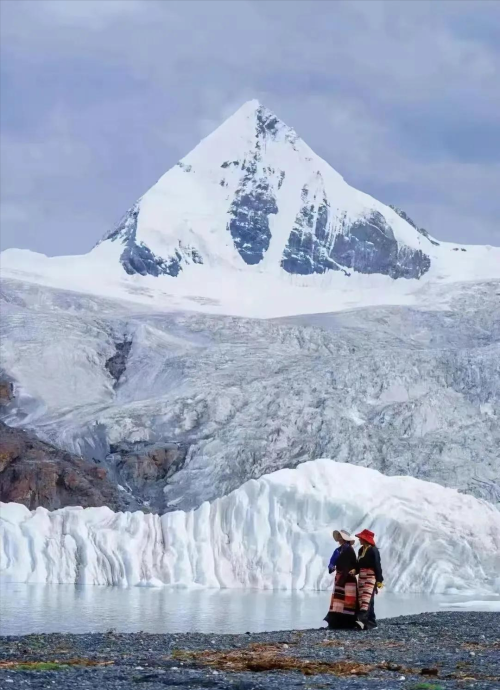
333	560
377	566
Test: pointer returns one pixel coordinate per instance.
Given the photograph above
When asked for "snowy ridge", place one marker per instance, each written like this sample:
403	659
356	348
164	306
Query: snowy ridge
432	539
253	211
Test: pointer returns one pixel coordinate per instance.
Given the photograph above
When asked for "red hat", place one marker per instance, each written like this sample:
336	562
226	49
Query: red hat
367	536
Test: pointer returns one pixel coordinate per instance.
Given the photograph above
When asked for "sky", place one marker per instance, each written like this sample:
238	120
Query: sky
100	97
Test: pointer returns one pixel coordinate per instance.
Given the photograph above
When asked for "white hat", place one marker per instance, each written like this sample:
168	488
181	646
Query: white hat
344	534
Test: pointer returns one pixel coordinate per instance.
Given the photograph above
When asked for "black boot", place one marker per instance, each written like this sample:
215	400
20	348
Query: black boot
362	621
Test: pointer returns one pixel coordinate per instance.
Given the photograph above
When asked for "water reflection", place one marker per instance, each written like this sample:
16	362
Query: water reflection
68	608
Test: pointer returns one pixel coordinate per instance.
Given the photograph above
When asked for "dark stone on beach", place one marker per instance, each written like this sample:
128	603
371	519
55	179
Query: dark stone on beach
455	649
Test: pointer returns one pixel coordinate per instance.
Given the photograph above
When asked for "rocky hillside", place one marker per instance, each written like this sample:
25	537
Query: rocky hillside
35	473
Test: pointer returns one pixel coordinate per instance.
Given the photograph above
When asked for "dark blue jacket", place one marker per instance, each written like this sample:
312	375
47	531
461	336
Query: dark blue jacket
349	560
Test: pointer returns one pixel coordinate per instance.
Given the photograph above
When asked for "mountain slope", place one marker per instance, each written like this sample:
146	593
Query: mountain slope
252	210
36	474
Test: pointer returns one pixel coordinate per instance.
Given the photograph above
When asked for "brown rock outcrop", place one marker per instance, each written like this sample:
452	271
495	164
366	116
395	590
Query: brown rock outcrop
35	473
6	392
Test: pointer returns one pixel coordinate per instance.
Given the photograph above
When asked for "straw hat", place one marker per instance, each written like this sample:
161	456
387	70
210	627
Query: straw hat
343	534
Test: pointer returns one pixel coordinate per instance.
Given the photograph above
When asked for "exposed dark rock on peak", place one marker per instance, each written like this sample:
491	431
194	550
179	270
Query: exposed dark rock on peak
407	218
307	248
267	122
138	258
368	246
253	203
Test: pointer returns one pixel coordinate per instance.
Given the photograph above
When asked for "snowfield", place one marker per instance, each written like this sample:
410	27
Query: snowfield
271	533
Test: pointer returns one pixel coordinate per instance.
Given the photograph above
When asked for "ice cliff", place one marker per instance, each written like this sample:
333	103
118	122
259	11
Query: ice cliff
274	532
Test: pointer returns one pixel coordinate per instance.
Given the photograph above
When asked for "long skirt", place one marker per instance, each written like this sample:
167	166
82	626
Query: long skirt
343	602
367	588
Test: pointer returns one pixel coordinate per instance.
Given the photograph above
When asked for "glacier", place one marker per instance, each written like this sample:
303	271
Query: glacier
405	390
271	533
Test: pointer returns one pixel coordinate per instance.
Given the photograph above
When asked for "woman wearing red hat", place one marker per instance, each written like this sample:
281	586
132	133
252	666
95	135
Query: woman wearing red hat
370	578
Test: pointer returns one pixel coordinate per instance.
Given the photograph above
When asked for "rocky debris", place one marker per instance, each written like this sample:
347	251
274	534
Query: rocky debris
6	392
117	364
437	651
35	473
144	469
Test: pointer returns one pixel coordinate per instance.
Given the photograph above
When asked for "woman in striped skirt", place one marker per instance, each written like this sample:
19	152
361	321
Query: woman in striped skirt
370	578
344	599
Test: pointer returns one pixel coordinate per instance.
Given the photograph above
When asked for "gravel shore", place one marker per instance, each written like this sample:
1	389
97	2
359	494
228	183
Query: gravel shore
430	651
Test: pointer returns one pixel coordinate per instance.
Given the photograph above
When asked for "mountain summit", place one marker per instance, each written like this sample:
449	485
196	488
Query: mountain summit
253	211
254	194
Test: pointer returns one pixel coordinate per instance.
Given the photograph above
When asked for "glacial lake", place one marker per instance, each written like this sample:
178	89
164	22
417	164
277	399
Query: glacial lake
35	608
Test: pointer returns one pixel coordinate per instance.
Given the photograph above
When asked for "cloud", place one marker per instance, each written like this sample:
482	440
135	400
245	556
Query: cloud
93	13
101	97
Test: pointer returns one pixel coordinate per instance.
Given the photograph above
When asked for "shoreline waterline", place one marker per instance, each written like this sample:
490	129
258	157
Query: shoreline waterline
38	608
441	650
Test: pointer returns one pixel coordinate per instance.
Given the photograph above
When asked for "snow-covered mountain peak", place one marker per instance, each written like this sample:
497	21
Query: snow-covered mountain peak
251	126
253	211
253	193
